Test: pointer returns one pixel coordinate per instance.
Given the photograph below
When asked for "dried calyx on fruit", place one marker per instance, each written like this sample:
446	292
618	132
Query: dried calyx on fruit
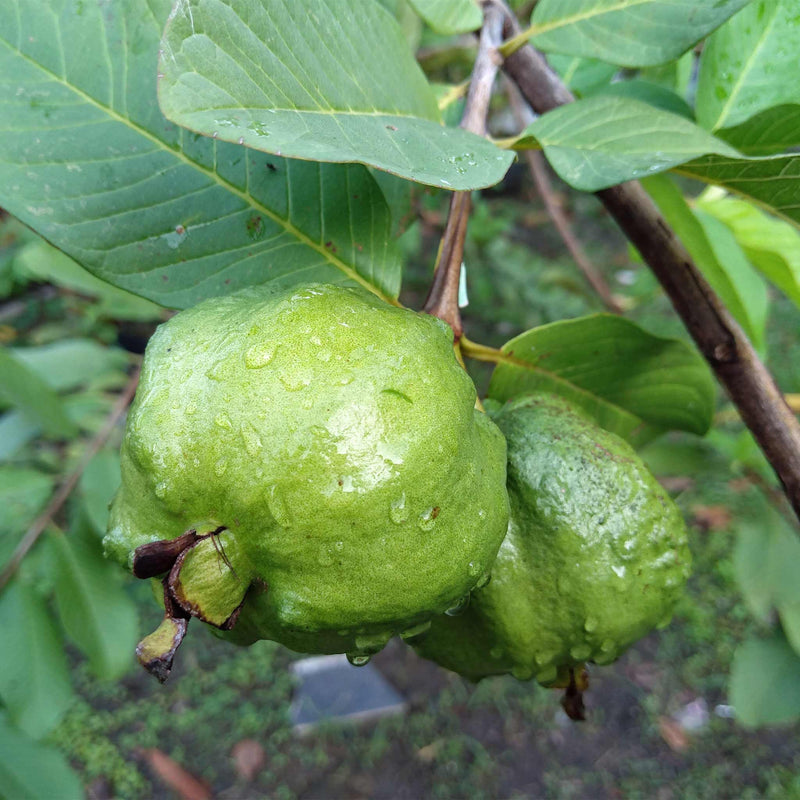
306	466
595	556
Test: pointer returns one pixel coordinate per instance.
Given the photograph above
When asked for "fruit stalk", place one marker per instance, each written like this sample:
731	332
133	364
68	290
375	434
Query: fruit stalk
442	300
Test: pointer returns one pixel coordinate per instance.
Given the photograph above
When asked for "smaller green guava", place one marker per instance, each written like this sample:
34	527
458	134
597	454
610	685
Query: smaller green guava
595	556
307	466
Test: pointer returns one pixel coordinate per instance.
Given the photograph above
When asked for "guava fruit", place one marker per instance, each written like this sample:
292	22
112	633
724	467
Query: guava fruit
595	556
306	466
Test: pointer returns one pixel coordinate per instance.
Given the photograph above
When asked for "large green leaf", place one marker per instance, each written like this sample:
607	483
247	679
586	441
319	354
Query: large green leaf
601	141
631	33
88	161
765	682
750	64
34	680
20	386
773	183
582	75
773	246
632	382
32	771
449	16
95	611
70	363
23	494
315	79
99	481
717	253
772	131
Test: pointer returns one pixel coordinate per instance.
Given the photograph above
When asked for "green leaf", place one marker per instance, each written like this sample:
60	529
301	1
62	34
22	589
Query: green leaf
633	383
71	363
716	252
773	183
20	386
16	430
95	611
90	163
631	33
34	679
41	262
32	771
749	64
449	16
752	562
99	482
23	494
772	131
601	141
582	75
650	93
765	682
319	80
773	246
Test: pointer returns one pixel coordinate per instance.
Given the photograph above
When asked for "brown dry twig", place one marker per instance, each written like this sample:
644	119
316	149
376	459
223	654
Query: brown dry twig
442	299
70	482
536	165
718	336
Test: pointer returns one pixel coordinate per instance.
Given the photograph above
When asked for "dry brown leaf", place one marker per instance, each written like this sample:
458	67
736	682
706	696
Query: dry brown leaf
712	518
249	758
175	776
672	733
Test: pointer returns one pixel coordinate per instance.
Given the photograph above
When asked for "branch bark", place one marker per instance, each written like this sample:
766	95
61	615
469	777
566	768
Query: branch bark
718	336
442	300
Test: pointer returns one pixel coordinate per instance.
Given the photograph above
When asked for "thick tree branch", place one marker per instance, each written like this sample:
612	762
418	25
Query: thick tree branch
70	482
717	335
442	300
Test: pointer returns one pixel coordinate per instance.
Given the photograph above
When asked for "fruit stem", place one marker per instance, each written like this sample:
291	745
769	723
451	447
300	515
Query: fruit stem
442	299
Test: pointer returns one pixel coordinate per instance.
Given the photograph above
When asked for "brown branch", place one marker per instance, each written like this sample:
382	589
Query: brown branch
442	300
70	482
536	165
717	335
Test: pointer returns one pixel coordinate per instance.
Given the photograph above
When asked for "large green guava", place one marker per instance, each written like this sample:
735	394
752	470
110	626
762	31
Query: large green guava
310	465
595	556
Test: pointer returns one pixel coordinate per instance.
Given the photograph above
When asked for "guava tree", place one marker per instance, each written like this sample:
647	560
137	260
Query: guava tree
186	152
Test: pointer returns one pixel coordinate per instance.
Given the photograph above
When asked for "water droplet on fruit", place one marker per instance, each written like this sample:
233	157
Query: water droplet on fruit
523	673
223	421
277	506
459	608
258	356
608	646
358	660
496	653
191	408
216	371
417	630
297	379
474	569
252	441
325	557
580	652
427	519
220	467
161	490
547	675
590	624
484	580
397	510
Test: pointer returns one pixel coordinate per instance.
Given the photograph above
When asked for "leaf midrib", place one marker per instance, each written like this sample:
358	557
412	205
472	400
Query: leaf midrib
248	199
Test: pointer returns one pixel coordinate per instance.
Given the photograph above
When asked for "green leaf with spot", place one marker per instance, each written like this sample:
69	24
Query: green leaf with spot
315	79
88	161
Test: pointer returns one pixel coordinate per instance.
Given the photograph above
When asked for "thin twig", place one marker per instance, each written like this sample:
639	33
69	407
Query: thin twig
442	300
70	482
536	165
718	336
